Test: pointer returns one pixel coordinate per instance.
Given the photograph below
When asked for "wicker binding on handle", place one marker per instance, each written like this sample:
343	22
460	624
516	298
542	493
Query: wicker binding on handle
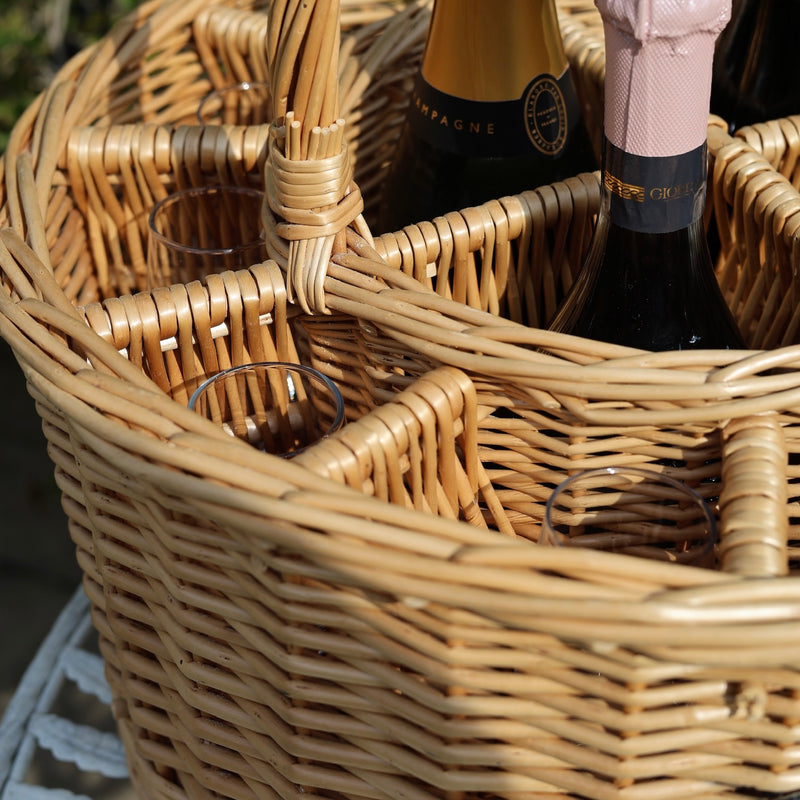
373	620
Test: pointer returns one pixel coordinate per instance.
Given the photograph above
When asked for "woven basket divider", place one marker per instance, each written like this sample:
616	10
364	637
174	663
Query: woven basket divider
268	629
778	140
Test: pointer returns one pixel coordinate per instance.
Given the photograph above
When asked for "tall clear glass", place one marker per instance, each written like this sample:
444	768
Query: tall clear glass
204	230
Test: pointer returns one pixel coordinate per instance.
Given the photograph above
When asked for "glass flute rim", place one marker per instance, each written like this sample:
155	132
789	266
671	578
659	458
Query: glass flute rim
644	473
241	86
289	366
181	247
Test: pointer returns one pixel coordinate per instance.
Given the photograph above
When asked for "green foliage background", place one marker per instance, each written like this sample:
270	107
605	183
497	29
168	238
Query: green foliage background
36	38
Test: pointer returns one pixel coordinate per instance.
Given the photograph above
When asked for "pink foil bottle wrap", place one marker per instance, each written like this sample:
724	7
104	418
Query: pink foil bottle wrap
659	56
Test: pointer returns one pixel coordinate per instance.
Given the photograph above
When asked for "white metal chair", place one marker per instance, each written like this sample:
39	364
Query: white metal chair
57	736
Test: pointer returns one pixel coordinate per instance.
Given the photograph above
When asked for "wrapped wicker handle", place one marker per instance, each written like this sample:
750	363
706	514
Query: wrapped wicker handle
753	503
310	196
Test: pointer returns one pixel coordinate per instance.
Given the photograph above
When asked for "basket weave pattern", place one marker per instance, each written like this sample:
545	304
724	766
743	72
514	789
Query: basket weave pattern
370	619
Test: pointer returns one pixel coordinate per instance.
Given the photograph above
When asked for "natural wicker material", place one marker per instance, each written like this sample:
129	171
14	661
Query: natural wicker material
371	620
779	141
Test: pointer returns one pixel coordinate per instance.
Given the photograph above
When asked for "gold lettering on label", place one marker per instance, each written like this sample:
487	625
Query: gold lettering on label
627	191
546	115
675	192
472	127
438	116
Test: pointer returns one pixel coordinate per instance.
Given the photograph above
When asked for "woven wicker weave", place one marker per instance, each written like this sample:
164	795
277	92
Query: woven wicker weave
779	141
265	626
371	619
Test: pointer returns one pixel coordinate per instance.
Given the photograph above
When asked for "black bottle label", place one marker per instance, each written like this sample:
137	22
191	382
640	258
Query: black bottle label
655	194
540	120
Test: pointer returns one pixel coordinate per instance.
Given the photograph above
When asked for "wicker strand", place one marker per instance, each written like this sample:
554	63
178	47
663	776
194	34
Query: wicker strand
308	202
753	499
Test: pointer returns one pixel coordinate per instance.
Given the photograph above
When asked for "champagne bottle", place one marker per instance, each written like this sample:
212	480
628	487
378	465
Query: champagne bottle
756	70
647	280
494	111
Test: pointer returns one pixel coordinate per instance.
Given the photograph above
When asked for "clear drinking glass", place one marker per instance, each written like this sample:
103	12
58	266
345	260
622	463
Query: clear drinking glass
631	510
279	407
245	103
199	231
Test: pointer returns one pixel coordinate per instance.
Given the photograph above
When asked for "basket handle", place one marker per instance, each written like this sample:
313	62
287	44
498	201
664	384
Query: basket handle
753	502
309	192
311	197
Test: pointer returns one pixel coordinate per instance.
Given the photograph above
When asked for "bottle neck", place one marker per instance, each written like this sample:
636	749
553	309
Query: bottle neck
653	194
477	52
657	91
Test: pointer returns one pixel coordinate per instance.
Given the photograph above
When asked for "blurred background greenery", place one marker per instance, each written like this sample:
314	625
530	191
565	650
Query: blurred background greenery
37	37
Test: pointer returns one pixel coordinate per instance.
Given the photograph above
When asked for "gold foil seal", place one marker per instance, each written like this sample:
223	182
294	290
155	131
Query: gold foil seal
489	51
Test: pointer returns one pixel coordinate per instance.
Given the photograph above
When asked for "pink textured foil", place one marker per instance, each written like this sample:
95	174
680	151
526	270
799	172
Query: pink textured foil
659	55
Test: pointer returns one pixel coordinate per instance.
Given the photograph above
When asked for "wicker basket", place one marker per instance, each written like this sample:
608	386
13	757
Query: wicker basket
371	619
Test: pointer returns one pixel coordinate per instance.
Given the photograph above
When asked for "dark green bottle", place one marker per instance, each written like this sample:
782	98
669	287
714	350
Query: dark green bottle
756	68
